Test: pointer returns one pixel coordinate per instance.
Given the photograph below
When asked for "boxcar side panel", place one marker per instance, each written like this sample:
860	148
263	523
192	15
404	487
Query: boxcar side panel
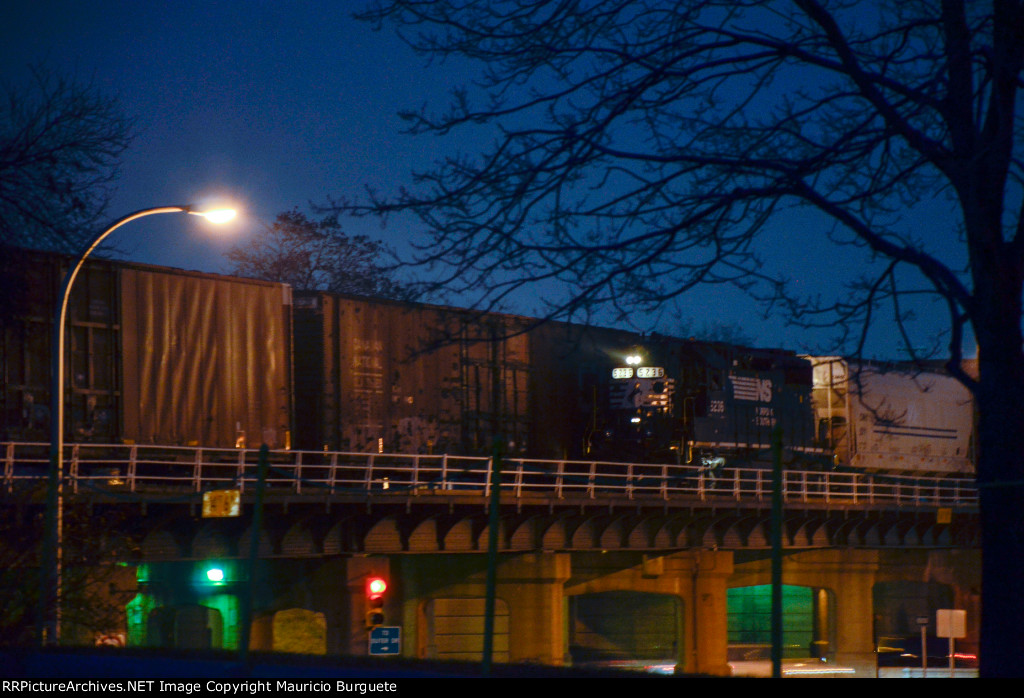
206	359
379	375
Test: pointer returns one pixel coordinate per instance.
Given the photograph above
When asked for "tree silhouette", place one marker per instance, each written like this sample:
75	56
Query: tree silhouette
60	144
95	581
317	256
641	146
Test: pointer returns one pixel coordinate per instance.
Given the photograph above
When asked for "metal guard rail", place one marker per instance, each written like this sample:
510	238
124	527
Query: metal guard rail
142	469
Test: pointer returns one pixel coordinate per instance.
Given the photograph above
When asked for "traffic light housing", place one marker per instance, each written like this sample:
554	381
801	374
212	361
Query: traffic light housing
375	589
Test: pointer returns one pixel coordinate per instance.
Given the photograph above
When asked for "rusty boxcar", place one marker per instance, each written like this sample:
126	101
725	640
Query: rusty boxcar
155	356
384	376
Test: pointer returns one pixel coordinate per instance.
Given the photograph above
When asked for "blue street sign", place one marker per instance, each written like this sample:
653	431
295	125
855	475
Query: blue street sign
386	639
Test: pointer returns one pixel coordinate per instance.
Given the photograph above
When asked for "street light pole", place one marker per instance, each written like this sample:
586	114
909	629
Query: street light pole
49	614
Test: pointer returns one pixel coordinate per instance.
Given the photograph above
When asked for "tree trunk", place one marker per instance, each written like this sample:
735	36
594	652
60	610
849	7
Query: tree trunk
1000	403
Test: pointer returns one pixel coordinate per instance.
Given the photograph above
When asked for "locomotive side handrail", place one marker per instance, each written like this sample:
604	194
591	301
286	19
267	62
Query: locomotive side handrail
142	469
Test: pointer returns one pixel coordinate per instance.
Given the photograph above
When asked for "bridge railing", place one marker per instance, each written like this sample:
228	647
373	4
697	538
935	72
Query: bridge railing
136	468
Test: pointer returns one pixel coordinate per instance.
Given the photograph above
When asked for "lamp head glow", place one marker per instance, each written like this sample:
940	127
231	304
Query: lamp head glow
633	359
220	215
215	574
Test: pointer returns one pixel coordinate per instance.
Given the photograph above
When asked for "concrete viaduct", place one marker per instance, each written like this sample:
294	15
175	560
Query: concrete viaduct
663	565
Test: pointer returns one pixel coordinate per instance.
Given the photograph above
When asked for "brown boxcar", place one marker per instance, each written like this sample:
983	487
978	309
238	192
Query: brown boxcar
93	397
155	355
383	376
165	356
206	359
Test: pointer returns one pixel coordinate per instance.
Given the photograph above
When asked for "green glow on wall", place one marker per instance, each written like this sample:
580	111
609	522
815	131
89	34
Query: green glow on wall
227	605
750	610
137	615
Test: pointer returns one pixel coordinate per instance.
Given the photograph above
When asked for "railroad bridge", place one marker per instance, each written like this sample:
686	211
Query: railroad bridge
658	564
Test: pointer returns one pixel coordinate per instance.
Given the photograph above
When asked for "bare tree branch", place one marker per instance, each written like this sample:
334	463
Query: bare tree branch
641	147
60	144
317	256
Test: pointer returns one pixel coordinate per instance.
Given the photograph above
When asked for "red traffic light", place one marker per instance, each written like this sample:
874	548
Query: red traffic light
375	587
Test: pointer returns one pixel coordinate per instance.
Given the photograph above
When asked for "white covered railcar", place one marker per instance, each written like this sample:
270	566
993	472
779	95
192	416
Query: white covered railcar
904	421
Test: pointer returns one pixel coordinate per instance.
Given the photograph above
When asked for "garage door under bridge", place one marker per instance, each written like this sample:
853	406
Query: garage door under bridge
628	626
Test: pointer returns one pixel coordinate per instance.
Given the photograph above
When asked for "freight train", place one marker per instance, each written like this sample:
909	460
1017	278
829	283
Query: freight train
718	405
165	356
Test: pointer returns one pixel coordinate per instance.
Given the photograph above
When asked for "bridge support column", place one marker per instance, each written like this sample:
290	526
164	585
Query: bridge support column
853	579
708	627
444	596
533	587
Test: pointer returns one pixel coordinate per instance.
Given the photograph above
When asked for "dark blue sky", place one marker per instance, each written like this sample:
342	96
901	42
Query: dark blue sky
274	105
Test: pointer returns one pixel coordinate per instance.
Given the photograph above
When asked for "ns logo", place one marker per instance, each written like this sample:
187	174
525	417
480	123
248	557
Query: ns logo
751	389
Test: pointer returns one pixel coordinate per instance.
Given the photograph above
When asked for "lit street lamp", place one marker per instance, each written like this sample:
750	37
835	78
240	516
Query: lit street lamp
48	619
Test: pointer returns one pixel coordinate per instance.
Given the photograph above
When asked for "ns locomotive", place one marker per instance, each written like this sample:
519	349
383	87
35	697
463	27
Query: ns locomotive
712	403
716	405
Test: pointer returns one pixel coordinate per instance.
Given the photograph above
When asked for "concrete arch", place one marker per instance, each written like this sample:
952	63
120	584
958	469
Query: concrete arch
483	537
170	539
554	536
460	537
346	535
662	537
212	541
383	537
424	536
640	532
585	537
754	531
522	535
267	545
299	539
612	534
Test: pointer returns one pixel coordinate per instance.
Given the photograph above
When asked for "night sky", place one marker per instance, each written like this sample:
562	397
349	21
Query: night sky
275	105
272	106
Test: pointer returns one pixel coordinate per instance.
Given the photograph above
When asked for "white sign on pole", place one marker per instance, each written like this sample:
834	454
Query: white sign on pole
951	622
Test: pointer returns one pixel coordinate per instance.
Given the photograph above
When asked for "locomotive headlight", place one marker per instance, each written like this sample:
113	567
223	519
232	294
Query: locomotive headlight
634	359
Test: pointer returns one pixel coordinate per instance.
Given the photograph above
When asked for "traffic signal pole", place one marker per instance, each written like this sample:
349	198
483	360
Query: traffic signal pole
776	535
492	558
245	634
